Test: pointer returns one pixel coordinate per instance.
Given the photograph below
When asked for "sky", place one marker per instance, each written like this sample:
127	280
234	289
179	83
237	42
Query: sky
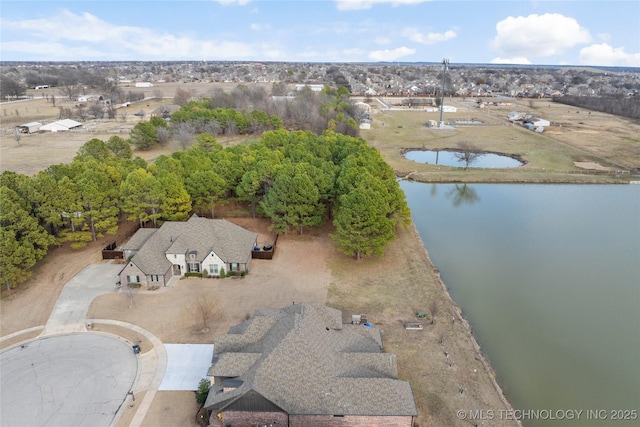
538	32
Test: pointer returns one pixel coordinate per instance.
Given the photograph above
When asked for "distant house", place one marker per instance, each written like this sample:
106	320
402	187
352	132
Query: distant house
301	366
313	87
538	122
179	247
516	116
90	98
165	111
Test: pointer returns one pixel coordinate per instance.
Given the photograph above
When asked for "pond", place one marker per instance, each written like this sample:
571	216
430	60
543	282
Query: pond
548	276
449	158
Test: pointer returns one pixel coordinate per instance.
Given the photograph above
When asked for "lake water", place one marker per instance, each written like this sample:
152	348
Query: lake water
549	278
448	158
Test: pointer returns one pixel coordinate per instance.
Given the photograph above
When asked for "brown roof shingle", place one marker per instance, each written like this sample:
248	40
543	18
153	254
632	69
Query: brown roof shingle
308	362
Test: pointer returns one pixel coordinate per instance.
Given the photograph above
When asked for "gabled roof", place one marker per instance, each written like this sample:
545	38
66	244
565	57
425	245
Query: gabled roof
305	361
230	242
61	125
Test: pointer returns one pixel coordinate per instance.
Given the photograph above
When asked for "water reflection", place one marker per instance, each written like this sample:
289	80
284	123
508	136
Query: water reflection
462	194
457	159
548	277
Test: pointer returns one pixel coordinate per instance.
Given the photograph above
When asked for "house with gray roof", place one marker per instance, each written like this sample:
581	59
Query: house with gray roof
155	255
301	366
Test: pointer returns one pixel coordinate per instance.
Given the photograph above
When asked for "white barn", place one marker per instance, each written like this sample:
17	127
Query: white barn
61	126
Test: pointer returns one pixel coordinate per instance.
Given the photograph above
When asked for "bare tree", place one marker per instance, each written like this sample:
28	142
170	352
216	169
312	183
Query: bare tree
184	132
433	310
70	91
130	290
81	112
164	134
203	309
468	154
181	97
96	110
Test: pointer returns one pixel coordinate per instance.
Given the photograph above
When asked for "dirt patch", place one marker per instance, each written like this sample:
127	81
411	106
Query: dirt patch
592	166
297	273
171	408
443	362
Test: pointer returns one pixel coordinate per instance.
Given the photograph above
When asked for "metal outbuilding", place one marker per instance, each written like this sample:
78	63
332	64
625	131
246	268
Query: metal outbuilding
61	126
31	127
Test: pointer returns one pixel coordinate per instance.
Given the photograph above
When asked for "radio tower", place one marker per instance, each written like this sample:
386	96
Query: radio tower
445	64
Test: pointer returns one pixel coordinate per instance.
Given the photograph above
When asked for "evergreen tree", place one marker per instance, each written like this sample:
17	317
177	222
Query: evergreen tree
22	240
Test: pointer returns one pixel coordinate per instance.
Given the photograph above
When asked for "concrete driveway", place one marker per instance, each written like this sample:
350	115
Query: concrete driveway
70	311
187	364
80	379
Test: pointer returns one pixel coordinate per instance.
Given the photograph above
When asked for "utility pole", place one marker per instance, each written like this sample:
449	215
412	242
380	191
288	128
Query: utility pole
445	64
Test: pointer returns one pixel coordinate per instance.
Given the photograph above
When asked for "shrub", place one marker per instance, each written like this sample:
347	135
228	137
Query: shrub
192	275
203	391
205	273
243	273
222	273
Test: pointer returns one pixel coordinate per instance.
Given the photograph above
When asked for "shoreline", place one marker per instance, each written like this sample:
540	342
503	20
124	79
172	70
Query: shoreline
467	326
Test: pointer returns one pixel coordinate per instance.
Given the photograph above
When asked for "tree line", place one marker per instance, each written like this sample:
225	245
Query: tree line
619	106
297	179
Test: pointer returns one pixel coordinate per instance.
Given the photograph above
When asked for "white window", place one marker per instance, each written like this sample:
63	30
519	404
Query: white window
215	269
155	278
234	266
194	267
133	279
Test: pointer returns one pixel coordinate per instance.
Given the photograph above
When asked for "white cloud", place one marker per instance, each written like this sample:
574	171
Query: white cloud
430	38
368	4
538	35
382	40
260	27
605	37
391	54
518	60
604	54
85	36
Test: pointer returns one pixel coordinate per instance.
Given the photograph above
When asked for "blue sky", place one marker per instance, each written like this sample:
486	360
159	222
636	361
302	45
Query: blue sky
517	32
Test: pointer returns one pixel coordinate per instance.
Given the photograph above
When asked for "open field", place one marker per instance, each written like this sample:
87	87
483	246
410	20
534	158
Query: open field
577	147
593	140
36	152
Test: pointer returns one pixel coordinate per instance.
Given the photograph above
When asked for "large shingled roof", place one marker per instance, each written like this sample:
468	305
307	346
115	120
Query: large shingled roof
305	361
230	242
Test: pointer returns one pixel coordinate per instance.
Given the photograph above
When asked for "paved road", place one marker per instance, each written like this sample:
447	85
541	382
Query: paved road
69	377
66	380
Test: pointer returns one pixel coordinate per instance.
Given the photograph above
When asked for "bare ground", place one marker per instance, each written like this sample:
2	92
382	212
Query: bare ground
306	268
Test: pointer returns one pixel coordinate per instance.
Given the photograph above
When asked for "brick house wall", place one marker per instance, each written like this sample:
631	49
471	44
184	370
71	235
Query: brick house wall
281	419
249	419
132	270
349	421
